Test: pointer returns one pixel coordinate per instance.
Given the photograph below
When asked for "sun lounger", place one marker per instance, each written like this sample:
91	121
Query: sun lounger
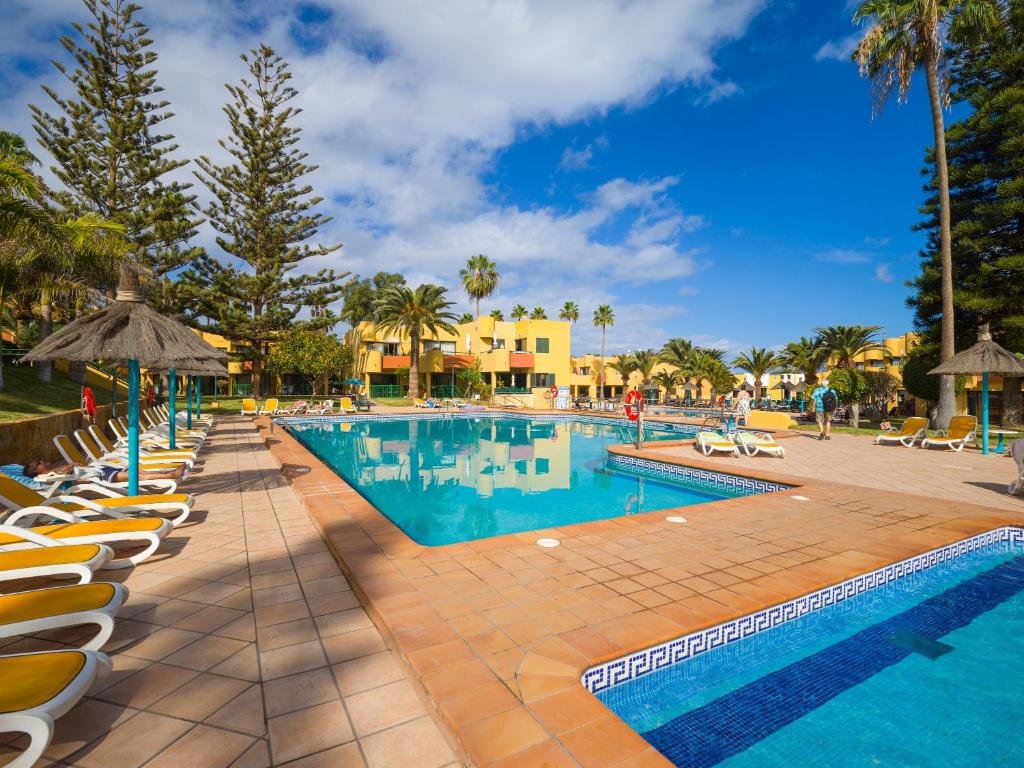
363	403
914	428
53	559
249	406
119	456
40	687
18	498
70	605
711	442
753	443
72	455
345	405
149	531
294	409
270	407
1017	454
961	431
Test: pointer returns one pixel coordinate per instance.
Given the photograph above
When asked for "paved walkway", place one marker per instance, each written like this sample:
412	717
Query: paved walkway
967	476
242	645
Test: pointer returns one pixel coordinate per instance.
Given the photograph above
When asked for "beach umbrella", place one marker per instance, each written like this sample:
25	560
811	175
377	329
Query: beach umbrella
985	357
128	332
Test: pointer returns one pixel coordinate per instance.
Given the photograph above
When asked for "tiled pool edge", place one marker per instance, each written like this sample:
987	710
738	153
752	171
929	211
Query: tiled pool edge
631	666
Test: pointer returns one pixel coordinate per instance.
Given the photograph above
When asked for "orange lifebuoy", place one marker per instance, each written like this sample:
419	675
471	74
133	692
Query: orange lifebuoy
634	404
88	403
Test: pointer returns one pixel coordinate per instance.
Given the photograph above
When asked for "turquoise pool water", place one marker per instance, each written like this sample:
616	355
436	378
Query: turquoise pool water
924	671
445	480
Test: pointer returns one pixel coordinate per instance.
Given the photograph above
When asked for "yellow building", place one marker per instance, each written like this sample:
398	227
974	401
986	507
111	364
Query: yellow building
522	359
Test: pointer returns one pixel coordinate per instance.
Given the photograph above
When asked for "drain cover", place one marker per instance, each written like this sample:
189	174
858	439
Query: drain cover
920	644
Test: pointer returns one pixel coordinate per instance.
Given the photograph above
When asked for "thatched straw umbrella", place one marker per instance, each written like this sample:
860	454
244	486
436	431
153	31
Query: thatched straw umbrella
129	332
985	357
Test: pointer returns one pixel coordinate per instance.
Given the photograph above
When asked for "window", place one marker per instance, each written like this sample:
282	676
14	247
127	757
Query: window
542	345
498	344
542	466
584	371
520	345
448	347
543	379
897	361
384	347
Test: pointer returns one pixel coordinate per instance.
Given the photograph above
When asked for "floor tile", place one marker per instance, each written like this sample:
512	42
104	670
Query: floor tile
308	731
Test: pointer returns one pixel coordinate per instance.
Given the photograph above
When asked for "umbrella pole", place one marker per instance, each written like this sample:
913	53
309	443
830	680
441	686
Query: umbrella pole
984	413
188	399
133	427
172	384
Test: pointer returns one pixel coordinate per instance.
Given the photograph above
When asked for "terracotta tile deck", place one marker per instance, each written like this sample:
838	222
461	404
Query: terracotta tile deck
498	631
243	645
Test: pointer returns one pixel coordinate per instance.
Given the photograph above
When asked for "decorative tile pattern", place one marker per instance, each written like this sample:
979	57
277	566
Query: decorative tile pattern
644	662
744	486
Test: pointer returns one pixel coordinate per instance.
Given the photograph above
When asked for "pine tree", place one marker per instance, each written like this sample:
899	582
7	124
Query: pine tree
107	148
986	168
261	210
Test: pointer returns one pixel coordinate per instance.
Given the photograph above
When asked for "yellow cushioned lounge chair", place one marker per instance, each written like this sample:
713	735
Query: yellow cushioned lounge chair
140	530
914	428
40	687
753	443
710	442
346	405
119	456
71	605
271	406
150	439
249	406
153	456
57	560
72	455
961	432
23	502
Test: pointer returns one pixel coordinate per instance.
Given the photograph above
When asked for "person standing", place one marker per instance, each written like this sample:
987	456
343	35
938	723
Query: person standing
826	401
743	408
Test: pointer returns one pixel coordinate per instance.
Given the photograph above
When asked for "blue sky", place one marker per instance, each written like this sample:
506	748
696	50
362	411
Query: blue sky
709	168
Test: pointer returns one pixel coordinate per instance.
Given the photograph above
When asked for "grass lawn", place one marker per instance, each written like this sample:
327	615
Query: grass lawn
25	397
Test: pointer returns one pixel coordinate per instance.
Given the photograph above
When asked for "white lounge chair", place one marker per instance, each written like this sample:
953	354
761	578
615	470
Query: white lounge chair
753	443
148	530
1017	454
712	442
249	406
914	428
53	559
40	687
270	407
962	430
70	605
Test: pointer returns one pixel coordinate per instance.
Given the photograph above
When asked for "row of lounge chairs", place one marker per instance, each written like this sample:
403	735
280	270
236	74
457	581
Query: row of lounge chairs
74	528
272	407
962	430
737	443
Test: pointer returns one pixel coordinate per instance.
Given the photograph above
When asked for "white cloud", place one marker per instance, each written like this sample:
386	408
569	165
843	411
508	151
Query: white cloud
843	256
576	159
718	92
838	50
407	104
883	273
879	242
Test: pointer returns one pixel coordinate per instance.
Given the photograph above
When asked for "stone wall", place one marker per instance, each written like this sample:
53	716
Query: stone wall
27	439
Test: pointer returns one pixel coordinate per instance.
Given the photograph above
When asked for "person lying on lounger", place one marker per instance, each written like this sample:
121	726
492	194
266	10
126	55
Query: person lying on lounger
108	473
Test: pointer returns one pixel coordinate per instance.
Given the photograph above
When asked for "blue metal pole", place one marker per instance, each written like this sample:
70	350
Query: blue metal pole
133	427
172	377
984	413
188	390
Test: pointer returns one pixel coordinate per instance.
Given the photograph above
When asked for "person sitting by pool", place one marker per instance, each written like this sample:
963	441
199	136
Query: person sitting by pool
108	473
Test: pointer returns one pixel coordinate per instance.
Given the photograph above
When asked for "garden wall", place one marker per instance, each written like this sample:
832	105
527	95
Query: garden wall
27	439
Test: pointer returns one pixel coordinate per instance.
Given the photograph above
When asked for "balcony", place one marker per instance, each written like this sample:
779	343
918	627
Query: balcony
520	359
395	361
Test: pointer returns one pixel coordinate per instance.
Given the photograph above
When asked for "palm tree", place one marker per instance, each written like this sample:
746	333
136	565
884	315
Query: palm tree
479	278
466	317
715	353
539	313
603	317
624	365
570	311
497	315
807	356
677	352
699	368
757	362
644	361
401	309
667	380
844	343
518	312
719	377
904	35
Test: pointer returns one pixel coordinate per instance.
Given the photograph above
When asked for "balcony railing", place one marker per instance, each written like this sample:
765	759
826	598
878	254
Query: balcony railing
512	390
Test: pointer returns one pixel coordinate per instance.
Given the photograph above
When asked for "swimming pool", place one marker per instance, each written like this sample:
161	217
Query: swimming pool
922	671
449	478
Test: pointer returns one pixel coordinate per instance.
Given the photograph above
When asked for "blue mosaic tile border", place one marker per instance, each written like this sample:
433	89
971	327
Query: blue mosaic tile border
737	484
644	662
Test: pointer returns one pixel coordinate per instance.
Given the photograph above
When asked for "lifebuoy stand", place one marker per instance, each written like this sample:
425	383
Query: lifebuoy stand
635	412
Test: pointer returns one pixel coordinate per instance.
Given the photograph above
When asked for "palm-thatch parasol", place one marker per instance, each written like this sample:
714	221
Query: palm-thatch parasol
128	331
985	357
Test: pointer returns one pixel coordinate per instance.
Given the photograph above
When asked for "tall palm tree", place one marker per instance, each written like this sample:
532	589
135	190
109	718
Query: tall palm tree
699	368
902	36
715	353
757	362
624	365
403	310
479	278
667	380
539	313
677	352
644	362
570	311
603	317
519	312
497	314
807	356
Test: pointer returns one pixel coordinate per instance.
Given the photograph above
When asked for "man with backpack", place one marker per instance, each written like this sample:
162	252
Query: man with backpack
826	402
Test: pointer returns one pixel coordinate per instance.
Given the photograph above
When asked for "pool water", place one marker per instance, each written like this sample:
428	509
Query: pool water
923	671
450	479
